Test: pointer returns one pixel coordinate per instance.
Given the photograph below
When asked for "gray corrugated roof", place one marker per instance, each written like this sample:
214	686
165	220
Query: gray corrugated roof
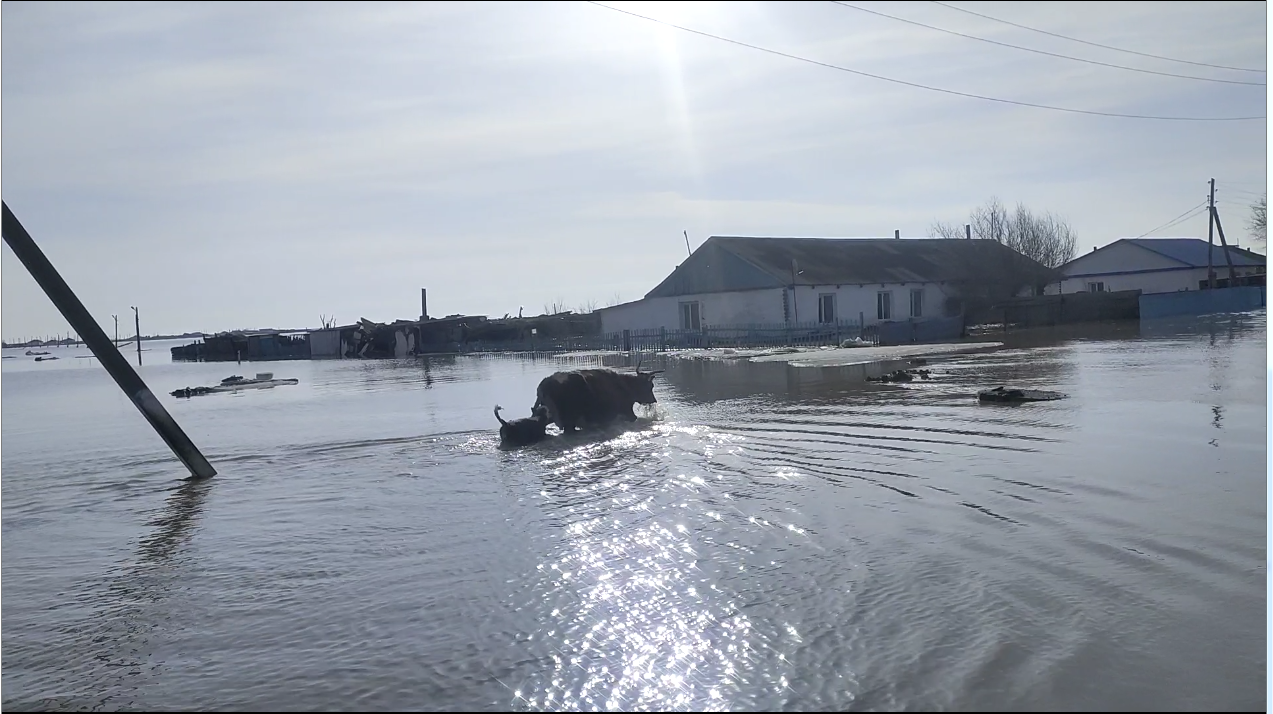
837	261
1193	251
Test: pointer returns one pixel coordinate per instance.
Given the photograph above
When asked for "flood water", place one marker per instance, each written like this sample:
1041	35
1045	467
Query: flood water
773	538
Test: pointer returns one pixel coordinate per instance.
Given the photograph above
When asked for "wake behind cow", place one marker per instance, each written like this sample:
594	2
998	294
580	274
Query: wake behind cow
593	397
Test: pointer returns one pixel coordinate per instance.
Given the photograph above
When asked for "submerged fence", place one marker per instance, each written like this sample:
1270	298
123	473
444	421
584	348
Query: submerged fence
812	334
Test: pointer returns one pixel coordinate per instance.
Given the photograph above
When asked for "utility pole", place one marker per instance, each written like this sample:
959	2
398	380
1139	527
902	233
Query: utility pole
1233	276
1211	241
38	265
795	312
116	329
137	319
687	243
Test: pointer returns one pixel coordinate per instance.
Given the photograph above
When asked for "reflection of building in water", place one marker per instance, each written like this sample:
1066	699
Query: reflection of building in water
705	381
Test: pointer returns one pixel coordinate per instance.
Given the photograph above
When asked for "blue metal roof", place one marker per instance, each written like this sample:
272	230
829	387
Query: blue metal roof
1193	252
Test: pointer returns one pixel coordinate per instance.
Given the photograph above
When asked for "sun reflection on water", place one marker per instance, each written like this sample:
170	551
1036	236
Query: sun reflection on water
636	621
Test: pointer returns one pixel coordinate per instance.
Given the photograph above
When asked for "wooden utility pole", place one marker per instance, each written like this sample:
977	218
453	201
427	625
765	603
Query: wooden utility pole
1233	276
1211	241
38	265
137	320
116	329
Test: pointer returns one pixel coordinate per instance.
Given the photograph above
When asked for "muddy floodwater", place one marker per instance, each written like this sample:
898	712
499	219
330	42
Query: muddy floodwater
771	537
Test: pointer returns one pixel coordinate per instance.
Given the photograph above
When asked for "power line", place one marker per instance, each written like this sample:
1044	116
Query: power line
1097	44
1233	189
922	86
1195	211
1043	52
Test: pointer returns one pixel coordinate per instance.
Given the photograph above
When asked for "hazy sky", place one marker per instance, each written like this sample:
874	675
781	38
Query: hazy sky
227	165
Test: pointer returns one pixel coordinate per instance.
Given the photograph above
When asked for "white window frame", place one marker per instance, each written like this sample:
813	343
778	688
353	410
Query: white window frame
691	315
917	306
884	305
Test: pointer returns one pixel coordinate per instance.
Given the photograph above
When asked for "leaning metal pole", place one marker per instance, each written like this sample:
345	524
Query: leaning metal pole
75	313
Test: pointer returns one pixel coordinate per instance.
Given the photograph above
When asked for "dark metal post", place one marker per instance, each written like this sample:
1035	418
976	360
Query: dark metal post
74	311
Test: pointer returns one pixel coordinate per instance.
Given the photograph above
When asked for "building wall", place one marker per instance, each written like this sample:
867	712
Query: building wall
765	307
854	302
324	343
746	307
1149	282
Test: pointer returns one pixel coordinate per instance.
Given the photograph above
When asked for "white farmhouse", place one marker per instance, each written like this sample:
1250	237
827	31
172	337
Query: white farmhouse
1154	265
736	281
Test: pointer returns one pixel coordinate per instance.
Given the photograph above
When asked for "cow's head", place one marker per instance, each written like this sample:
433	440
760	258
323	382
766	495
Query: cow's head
641	387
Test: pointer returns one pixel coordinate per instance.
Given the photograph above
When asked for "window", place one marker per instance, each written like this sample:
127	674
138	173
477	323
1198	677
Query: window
884	306
826	307
917	303
1098	287
691	318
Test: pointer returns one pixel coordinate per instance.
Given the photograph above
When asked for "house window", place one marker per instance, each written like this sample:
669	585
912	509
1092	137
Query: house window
691	318
884	305
826	307
1097	287
917	303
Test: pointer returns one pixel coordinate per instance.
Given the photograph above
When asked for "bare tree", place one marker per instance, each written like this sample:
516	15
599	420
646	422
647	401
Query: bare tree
615	300
1256	221
586	307
326	321
1047	238
556	307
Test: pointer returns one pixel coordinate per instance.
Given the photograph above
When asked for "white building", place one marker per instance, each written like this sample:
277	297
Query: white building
735	281
1153	265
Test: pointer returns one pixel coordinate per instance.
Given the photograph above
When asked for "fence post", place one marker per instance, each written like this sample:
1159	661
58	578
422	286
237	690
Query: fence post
663	339
627	340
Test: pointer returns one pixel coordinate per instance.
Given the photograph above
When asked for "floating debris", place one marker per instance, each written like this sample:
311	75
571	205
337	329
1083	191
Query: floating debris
263	380
1017	396
901	375
45	359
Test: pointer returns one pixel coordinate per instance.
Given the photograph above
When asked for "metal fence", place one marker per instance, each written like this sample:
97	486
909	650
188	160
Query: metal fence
810	334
